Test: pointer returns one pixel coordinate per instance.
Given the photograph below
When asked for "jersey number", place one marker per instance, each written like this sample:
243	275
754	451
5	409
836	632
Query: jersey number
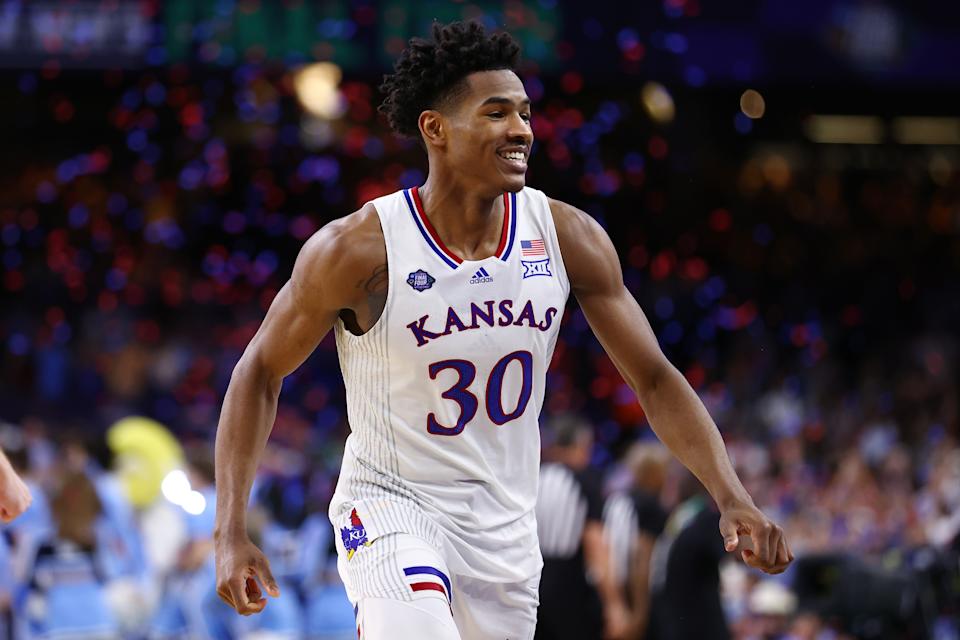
461	394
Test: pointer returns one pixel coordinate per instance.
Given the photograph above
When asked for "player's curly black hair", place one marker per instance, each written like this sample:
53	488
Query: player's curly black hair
429	72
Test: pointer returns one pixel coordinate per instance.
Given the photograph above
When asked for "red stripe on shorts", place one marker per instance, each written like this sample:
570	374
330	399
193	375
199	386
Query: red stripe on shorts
428	586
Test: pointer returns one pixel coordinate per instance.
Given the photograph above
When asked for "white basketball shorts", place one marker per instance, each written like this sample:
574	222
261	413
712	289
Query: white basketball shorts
402	589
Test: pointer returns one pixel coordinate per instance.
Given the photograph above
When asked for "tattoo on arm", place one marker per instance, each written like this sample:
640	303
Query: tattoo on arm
375	286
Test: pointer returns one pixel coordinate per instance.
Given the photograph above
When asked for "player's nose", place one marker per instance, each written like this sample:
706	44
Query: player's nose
520	130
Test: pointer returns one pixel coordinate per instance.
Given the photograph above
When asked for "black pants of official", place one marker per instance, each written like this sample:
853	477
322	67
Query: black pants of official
569	607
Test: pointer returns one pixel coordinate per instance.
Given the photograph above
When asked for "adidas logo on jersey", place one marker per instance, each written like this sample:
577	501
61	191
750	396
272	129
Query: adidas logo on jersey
481	276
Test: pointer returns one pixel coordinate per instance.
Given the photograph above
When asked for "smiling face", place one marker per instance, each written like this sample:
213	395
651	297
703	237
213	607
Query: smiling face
486	137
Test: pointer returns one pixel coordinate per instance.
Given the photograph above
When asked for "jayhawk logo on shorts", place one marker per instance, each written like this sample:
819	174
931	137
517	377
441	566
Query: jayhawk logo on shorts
354	536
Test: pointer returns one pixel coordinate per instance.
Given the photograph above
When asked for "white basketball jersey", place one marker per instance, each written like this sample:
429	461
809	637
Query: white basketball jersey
444	392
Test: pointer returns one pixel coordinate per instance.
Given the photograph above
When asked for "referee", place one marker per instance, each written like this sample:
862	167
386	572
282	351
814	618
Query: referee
685	569
633	520
578	599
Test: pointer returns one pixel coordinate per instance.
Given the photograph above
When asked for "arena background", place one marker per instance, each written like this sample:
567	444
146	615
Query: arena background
781	180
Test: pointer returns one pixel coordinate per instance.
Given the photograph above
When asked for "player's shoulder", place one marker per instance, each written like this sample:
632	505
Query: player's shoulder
588	254
346	242
333	256
572	224
577	232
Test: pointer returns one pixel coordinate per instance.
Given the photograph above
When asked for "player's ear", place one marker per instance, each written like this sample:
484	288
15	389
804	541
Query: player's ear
432	128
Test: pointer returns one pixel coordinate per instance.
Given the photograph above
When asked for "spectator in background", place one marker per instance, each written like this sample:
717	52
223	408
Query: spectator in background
66	592
633	519
280	530
578	599
6	587
685	578
189	605
14	494
328	614
122	556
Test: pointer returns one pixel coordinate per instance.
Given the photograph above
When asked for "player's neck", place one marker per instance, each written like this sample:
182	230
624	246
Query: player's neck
464	218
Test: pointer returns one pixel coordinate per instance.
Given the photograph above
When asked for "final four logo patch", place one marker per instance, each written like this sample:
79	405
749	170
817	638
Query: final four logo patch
354	536
420	280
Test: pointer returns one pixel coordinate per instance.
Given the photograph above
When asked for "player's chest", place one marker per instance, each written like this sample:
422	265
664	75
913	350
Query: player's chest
488	305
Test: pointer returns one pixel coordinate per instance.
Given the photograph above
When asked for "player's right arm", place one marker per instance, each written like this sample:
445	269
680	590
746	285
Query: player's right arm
323	284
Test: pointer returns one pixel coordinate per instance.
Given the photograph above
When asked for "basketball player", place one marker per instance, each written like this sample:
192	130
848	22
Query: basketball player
446	302
14	494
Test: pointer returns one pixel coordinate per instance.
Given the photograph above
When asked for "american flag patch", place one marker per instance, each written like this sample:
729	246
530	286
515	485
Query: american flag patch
532	248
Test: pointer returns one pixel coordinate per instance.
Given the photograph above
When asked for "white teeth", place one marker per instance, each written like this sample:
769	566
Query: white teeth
513	155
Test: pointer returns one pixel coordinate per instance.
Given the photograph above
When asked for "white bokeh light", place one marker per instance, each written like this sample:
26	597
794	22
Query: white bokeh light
175	486
318	89
195	503
658	102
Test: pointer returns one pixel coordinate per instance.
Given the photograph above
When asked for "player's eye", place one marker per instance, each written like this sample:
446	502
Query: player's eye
525	116
495	114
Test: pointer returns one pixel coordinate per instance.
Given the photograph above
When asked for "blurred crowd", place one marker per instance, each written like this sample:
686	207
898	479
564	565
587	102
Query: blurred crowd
808	294
105	551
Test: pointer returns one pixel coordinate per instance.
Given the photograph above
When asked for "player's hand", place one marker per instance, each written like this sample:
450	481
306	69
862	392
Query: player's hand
761	542
14	495
241	570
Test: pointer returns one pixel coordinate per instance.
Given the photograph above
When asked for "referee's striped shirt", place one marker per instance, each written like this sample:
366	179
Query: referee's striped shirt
620	528
564	504
626	516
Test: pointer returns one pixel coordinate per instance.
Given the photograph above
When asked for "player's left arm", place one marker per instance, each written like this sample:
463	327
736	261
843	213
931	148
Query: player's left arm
675	411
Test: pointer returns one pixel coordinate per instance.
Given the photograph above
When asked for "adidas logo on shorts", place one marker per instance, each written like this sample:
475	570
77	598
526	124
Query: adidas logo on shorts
481	276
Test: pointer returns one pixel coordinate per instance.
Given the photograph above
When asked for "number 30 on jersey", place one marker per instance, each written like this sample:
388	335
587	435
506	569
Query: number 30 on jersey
493	400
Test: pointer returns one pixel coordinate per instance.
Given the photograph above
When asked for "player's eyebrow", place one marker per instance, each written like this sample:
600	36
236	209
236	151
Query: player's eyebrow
501	100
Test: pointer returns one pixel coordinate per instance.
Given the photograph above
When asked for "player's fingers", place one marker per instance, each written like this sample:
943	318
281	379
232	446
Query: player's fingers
761	542
235	594
263	572
224	594
252	590
254	602
242	604
750	558
227	594
728	529
784	556
765	558
777	546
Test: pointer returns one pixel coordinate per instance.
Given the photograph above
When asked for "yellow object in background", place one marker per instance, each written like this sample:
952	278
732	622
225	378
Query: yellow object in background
145	453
